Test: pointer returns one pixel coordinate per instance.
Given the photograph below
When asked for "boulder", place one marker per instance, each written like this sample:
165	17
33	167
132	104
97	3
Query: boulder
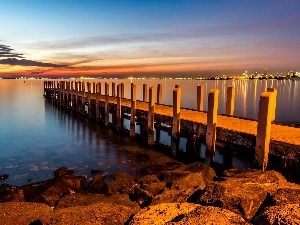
9	193
191	180
241	198
84	199
142	197
154	188
96	184
208	172
54	192
162	213
62	171
147	179
174	196
269	180
75	182
208	215
279	215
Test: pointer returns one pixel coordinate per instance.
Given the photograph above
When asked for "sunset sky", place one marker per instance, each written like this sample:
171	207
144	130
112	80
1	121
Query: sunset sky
148	38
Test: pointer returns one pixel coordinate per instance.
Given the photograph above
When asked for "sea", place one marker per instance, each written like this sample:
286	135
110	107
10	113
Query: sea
37	137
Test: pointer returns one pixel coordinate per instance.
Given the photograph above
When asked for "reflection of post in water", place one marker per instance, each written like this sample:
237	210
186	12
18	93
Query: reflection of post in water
209	157
176	121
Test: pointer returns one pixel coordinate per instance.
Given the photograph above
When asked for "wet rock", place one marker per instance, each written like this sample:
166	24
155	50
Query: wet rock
279	215
9	193
62	171
241	198
162	213
209	172
286	196
12	213
3	176
208	215
142	157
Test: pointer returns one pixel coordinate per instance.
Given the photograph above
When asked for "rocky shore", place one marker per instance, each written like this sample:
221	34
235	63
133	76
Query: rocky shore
166	192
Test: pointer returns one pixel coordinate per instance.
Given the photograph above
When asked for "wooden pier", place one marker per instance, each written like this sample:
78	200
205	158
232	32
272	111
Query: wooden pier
262	135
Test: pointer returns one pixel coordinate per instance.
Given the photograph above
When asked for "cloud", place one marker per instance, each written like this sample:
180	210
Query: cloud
6	51
9	57
25	62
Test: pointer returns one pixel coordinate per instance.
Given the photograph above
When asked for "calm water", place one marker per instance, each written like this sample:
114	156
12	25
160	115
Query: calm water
36	137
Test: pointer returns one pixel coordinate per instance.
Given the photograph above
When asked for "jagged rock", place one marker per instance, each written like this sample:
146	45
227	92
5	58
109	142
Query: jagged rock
286	196
208	215
54	192
269	180
3	176
192	180
154	188
242	198
154	169
121	179
75	182
209	172
279	215
9	193
84	199
170	176
96	184
21	213
62	171
142	197
129	188
174	196
147	179
162	213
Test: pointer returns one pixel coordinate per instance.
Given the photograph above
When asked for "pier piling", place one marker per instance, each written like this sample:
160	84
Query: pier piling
230	101
175	138
265	116
151	111
133	109
213	99
200	98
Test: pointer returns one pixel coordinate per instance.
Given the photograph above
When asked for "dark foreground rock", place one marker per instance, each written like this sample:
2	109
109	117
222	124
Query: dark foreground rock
169	193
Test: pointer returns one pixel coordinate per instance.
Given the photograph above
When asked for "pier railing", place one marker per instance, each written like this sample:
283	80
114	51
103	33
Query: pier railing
261	135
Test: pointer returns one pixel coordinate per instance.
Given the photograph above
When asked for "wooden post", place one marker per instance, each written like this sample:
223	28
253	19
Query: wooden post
177	86
230	101
113	89
213	98
122	90
151	111
133	108
83	98
274	101
145	92
176	121
265	116
200	98
89	86
106	104
98	93
159	94
119	109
